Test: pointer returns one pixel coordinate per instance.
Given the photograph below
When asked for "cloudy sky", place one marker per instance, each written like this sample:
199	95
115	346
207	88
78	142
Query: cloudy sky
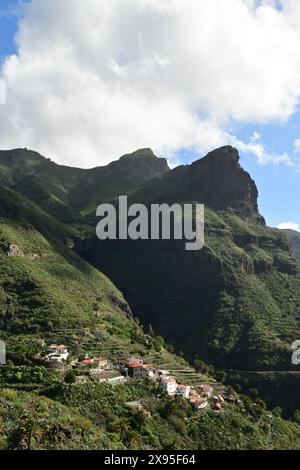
87	81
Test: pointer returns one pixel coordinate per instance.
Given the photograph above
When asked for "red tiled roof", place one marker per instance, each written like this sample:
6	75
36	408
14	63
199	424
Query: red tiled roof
134	364
197	400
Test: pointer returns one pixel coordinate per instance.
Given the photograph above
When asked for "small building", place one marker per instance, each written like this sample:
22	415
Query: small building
59	353
183	390
109	376
101	362
137	359
168	384
81	379
207	390
135	369
148	370
198	403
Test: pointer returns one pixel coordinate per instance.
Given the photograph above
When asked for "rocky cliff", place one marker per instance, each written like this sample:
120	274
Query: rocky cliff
224	303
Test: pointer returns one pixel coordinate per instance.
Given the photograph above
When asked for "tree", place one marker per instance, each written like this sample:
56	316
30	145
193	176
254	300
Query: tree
277	411
159	343
220	376
70	377
123	426
200	366
296	416
139	420
22	435
253	393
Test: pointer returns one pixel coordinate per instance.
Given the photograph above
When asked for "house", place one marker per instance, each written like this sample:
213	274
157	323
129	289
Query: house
135	359
109	376
207	390
59	353
97	364
135	369
101	362
183	390
168	384
198	403
86	362
148	370
81	379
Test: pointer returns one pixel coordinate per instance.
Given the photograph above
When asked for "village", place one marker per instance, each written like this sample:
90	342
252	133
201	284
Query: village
87	368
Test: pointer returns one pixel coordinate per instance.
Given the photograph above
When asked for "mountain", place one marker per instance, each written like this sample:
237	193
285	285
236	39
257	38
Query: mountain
50	295
227	302
232	303
71	195
236	302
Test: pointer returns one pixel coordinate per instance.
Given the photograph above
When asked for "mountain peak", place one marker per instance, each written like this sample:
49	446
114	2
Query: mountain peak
226	153
144	152
147	158
223	183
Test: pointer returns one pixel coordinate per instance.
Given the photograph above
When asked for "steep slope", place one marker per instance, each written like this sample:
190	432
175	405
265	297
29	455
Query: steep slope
236	303
46	290
71	195
294	238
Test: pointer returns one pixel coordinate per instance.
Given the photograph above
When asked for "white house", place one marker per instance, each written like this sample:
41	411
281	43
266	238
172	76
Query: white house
59	353
168	384
183	390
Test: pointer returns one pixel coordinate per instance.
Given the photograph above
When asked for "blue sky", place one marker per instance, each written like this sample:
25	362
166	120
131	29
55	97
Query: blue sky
8	27
278	184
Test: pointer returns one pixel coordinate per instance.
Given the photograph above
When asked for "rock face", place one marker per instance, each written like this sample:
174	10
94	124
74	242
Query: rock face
221	302
220	181
216	180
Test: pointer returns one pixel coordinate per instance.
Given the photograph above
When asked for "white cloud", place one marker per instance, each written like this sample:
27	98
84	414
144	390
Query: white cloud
255	136
93	80
289	225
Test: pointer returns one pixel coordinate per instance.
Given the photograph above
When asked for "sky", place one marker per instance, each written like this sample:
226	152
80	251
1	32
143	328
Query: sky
86	82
